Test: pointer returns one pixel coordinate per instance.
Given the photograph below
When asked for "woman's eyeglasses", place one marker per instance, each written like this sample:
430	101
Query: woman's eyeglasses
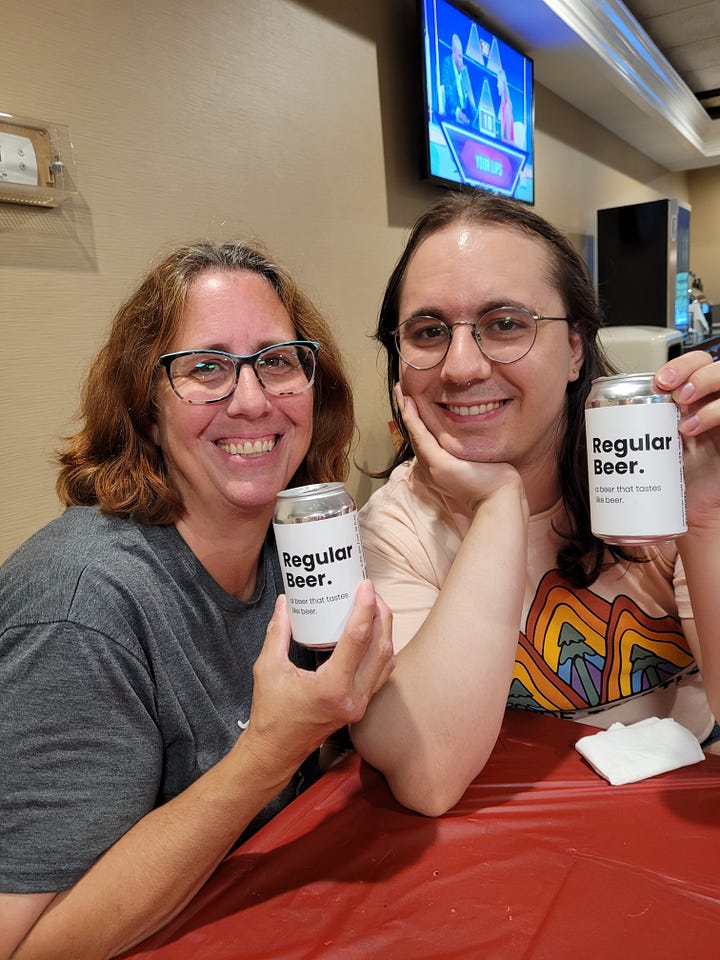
208	376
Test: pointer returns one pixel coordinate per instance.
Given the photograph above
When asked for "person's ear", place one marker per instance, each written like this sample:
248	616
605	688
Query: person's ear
576	356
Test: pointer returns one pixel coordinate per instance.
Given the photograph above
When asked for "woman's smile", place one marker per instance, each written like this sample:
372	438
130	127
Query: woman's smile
257	440
247	448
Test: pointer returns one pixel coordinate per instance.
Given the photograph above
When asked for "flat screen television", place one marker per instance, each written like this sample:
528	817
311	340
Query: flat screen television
479	100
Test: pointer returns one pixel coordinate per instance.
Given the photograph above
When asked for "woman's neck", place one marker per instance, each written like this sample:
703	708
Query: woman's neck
230	553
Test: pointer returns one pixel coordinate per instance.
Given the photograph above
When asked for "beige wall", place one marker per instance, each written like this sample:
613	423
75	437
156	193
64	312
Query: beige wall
292	120
705	231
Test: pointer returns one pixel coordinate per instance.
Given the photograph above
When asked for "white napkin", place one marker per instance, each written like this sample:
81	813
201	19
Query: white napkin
625	754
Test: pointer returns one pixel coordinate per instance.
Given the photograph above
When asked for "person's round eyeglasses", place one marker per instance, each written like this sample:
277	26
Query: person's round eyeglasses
208	376
504	335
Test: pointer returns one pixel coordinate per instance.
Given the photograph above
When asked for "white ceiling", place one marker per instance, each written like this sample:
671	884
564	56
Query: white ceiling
634	73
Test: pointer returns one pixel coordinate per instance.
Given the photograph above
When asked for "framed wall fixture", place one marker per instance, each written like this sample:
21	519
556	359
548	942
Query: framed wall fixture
36	162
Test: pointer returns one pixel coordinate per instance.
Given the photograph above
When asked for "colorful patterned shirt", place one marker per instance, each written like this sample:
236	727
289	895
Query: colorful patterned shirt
613	651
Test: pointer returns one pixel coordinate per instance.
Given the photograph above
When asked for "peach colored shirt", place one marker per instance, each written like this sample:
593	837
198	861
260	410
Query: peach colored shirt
614	651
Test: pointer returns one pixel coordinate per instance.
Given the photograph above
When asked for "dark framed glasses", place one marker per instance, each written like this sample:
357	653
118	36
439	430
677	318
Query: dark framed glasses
208	376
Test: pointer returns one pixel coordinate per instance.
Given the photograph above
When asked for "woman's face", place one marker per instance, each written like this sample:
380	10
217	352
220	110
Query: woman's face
478	410
231	458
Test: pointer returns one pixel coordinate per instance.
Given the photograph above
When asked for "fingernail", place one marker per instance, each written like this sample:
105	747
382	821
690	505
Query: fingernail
667	377
686	393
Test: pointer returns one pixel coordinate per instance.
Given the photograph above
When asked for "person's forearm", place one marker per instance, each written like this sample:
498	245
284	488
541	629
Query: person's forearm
700	553
150	873
432	727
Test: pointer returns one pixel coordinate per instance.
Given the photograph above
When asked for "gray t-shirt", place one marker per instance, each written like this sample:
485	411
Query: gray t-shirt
125	673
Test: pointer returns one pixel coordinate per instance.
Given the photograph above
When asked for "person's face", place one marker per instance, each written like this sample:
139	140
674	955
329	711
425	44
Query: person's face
476	409
457	54
235	455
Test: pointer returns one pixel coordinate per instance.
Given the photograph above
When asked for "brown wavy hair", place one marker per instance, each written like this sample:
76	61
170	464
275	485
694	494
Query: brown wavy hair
581	555
112	460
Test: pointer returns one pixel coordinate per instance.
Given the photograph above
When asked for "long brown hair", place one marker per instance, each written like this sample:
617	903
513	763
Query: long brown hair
112	460
581	555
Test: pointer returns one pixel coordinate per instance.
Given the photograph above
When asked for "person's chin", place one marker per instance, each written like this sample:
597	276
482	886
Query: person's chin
466	448
252	496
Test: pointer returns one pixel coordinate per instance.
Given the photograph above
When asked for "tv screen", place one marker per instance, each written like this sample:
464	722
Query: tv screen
479	104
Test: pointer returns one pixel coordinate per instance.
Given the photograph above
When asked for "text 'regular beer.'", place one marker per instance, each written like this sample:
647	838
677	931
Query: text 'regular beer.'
635	465
318	542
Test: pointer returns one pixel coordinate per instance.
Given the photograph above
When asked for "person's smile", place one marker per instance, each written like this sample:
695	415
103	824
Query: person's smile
477	408
474	409
236	454
247	448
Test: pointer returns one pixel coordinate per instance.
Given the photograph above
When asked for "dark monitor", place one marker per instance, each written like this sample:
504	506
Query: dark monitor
643	259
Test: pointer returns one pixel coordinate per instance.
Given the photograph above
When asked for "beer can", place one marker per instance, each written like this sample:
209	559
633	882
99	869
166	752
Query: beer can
635	461
317	535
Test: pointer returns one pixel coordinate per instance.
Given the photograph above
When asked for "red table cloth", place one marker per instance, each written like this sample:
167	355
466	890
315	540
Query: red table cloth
541	860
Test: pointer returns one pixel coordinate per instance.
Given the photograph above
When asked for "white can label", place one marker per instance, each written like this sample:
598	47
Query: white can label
637	487
322	565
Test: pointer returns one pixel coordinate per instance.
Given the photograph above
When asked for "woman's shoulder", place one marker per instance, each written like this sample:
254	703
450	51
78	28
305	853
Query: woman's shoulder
74	537
80	561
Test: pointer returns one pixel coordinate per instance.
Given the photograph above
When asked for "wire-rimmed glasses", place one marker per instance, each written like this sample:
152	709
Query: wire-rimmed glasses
504	335
208	376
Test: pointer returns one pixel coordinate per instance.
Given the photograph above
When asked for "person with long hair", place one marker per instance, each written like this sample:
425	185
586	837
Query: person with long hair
481	542
155	709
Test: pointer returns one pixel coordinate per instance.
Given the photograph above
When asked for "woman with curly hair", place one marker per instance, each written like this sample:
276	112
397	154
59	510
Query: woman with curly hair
155	709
